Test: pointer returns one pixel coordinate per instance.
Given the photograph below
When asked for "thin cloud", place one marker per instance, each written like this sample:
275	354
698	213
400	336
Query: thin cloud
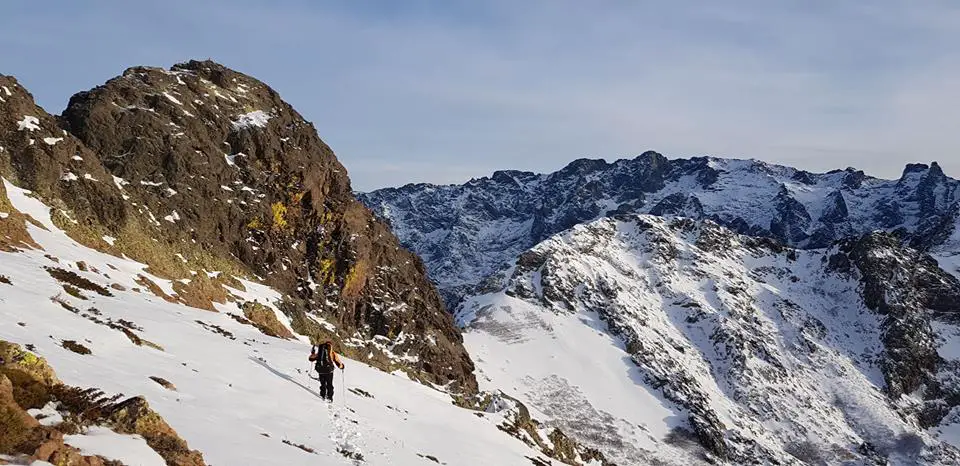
459	89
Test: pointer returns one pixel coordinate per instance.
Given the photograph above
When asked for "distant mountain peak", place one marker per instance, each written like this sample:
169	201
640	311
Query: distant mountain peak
750	196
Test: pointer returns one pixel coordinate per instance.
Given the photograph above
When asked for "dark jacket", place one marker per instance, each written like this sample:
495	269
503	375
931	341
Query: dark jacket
334	357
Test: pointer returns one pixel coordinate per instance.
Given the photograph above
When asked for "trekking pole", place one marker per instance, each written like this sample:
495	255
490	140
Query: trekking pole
343	384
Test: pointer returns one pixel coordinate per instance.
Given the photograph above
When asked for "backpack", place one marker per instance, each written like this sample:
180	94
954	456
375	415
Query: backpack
324	359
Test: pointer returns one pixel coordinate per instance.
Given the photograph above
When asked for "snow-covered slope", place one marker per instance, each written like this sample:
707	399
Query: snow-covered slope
239	396
466	232
657	338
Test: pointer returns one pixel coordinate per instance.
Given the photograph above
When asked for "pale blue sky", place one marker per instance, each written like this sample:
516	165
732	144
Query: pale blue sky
442	91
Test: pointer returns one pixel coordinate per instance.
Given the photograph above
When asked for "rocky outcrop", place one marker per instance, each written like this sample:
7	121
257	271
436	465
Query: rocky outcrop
834	222
265	320
908	289
555	444
39	155
199	170
134	416
28	382
13	226
791	219
679	204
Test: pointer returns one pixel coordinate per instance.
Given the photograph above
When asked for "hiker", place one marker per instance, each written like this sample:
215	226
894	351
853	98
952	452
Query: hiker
326	359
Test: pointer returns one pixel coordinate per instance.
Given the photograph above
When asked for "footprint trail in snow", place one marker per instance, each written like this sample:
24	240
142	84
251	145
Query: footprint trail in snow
343	433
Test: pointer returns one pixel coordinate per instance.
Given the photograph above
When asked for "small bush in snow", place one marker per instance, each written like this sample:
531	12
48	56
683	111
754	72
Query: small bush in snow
76	347
74	291
66	276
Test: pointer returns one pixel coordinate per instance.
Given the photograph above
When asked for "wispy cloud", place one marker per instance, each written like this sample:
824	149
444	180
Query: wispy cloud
443	91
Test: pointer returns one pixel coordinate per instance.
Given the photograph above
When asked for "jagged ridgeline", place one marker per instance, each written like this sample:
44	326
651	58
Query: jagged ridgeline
451	226
205	173
758	314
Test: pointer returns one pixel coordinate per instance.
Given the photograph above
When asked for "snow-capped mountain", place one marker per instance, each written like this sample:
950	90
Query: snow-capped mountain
727	310
466	232
224	386
646	335
176	239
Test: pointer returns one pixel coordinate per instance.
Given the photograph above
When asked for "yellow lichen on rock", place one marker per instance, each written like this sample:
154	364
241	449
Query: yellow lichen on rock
279	215
356	279
325	272
255	224
24	375
36	367
23	438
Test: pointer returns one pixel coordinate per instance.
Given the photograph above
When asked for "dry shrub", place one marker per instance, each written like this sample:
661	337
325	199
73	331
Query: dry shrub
66	276
76	347
15	430
73	291
300	446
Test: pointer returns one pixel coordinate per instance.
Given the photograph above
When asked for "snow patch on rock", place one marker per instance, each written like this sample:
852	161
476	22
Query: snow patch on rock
256	118
29	123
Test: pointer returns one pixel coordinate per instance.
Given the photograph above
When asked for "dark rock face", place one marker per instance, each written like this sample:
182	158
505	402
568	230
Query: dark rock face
834	222
40	156
835	209
679	204
203	157
889	213
909	289
803	177
853	179
791	219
